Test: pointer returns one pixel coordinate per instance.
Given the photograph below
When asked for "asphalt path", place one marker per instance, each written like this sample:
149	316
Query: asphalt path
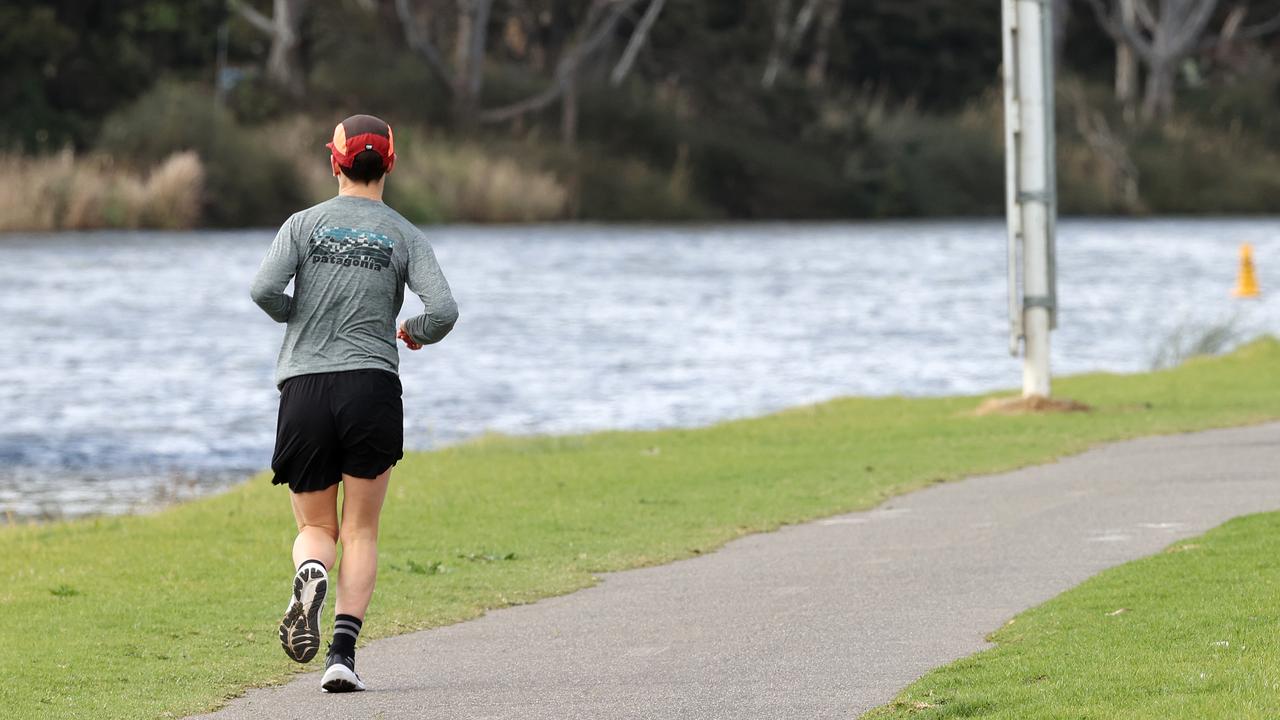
822	620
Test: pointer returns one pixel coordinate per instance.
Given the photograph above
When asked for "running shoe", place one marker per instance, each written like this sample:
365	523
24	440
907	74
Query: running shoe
300	628
340	675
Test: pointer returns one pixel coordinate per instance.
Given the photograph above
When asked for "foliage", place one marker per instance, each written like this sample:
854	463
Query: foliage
934	166
1190	168
938	53
609	187
248	181
563	508
904	119
68	63
1241	105
346	42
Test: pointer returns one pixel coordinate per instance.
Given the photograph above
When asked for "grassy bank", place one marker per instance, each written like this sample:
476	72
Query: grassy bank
1189	633
182	605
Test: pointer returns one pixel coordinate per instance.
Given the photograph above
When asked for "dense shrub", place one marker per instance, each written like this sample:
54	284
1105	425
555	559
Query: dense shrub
1189	168
758	177
1242	104
918	164
347	44
248	180
609	187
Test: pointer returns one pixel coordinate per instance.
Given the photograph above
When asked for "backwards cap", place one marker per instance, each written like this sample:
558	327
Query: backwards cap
359	133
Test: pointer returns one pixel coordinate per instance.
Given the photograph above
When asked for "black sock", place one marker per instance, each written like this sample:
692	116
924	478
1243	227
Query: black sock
346	628
308	562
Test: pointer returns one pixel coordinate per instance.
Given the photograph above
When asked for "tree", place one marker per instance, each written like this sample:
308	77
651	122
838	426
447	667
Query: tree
637	41
1126	84
1161	38
285	67
816	74
787	34
464	79
70	63
1120	173
937	53
599	26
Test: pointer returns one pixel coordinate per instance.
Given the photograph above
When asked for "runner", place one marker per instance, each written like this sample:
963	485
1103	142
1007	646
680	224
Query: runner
341	420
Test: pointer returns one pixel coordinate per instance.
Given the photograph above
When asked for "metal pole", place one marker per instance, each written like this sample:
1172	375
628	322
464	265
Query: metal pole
1013	212
1031	186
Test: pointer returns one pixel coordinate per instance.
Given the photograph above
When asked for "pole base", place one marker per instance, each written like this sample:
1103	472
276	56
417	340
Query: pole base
1032	405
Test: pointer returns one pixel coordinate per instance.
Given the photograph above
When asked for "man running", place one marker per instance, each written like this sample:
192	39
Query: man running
341	419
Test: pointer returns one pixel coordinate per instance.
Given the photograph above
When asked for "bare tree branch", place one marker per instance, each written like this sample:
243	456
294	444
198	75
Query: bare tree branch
285	63
637	41
787	39
815	74
256	19
1251	32
1119	30
568	65
1110	147
803	19
1145	15
480	10
1171	37
1257	31
1192	27
420	43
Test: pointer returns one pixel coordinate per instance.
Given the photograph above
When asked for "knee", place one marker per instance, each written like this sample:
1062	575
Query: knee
330	530
358	532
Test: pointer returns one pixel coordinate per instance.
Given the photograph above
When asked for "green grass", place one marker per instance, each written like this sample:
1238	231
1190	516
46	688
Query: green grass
184	602
1189	633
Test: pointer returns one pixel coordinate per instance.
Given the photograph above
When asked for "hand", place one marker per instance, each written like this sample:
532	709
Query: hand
408	341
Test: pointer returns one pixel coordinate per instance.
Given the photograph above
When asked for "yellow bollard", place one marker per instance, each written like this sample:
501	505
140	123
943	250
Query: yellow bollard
1247	284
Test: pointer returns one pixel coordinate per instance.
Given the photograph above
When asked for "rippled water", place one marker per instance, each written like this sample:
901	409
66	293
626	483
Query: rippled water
134	369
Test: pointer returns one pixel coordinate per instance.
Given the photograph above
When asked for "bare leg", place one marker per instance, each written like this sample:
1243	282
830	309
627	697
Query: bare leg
317	516
361	508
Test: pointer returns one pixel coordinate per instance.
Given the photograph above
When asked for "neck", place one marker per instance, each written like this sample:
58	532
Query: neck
372	191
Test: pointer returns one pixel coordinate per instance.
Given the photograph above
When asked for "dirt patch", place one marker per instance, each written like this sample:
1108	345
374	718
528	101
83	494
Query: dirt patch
1036	404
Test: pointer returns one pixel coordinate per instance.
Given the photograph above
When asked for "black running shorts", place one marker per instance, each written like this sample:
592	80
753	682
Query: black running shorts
348	422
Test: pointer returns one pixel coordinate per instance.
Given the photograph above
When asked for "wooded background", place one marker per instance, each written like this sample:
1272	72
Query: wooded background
648	109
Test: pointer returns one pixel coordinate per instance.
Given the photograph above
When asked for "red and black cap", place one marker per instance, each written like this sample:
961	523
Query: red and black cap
359	133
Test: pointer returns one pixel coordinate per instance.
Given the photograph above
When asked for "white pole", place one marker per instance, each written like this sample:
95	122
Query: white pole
1032	204
1013	212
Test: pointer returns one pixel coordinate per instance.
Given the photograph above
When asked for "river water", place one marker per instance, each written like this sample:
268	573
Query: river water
134	369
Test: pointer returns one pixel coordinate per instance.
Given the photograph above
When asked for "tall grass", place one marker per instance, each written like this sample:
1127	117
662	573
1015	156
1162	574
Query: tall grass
1190	340
464	182
69	192
435	180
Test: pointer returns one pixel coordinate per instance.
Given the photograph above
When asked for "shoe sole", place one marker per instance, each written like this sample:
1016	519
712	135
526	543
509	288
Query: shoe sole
300	628
340	679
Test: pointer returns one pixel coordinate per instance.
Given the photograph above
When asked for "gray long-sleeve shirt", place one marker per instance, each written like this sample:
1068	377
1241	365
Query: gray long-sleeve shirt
350	259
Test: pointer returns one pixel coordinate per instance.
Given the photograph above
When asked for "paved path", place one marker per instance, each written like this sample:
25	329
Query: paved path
823	620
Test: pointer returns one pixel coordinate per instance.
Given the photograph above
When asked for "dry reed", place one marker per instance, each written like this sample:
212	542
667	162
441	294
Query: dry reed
69	192
435	180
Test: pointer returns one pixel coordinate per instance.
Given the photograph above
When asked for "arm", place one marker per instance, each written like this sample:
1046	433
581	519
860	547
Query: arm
274	274
425	279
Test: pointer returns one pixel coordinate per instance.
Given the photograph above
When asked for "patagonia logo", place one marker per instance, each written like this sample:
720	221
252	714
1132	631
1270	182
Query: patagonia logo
349	247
